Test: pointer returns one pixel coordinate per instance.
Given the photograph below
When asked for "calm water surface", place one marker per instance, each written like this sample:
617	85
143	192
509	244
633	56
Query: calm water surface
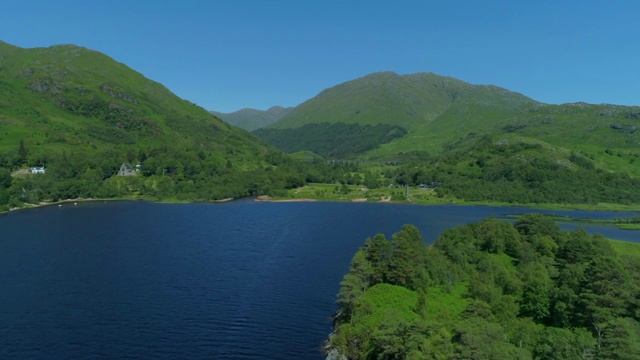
240	280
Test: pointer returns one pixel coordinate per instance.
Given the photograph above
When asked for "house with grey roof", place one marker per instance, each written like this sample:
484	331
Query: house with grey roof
126	170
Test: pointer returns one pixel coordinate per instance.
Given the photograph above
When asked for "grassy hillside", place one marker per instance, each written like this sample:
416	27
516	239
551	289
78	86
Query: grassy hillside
61	96
252	119
578	126
478	109
81	114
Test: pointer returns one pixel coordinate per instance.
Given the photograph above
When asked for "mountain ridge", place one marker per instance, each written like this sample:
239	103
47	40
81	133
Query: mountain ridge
422	97
437	110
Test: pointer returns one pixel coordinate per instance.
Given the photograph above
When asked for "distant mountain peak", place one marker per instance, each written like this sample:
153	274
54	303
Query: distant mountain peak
251	119
384	97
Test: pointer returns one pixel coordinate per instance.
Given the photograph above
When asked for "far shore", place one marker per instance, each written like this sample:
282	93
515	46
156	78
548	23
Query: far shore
266	198
558	207
70	201
60	202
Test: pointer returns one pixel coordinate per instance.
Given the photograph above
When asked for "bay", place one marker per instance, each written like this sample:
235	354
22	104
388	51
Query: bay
238	280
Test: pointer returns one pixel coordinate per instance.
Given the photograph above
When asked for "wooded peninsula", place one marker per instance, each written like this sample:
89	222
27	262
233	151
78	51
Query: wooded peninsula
490	290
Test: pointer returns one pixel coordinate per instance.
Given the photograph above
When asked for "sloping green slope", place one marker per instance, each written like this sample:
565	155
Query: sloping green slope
580	125
67	96
477	109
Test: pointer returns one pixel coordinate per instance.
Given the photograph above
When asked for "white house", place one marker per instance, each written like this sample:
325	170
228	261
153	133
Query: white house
37	170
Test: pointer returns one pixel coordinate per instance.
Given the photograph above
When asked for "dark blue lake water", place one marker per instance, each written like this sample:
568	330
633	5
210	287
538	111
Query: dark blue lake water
239	280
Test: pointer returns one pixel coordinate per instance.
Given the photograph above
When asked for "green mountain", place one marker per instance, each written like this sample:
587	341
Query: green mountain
437	110
70	96
413	102
379	98
252	119
82	115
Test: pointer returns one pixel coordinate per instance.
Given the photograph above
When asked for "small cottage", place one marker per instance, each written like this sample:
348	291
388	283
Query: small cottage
126	170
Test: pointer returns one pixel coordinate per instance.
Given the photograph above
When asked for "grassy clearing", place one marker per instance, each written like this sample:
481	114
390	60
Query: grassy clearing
384	300
335	192
626	247
446	304
629	226
358	193
621	223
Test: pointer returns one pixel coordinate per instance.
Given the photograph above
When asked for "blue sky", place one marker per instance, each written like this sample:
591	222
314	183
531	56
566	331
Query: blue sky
227	55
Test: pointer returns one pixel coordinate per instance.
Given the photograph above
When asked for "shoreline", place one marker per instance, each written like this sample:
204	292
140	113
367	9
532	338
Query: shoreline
266	198
559	207
70	201
59	202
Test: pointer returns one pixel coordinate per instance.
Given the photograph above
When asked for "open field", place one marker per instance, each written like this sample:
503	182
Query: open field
626	248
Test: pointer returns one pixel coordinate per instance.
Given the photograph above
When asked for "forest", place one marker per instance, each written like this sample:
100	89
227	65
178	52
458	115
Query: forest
331	140
489	290
177	173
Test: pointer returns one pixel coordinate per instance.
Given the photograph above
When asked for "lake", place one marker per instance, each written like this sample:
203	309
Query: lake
237	280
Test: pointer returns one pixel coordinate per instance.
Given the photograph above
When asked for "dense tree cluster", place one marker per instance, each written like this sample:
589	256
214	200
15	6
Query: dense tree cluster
165	173
331	140
519	173
490	290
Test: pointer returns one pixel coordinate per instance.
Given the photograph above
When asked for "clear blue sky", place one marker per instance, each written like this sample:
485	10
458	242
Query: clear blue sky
227	55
